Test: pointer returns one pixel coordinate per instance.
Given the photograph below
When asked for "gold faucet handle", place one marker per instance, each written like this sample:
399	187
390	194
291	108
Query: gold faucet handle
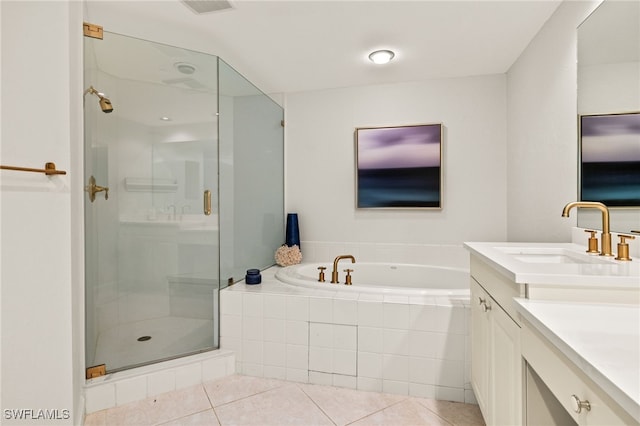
623	247
593	241
321	275
347	280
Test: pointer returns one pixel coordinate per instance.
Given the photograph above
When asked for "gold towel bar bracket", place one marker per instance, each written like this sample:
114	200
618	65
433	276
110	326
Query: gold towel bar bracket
49	169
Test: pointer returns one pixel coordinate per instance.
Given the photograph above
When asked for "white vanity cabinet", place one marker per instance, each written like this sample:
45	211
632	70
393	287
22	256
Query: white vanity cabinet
582	399
496	363
572	353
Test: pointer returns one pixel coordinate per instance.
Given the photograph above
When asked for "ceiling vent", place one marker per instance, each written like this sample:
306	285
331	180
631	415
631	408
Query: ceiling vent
207	6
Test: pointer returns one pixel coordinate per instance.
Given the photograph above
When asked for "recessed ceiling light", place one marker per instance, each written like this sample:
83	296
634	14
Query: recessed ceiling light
185	68
165	118
381	56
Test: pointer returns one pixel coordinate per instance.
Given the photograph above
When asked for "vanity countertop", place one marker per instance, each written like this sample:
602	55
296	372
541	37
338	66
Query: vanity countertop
557	264
603	340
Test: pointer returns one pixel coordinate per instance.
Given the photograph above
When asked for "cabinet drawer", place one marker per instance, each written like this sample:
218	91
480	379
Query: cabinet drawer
501	289
564	379
480	344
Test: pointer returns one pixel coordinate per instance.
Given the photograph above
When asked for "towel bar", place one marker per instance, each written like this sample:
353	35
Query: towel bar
49	169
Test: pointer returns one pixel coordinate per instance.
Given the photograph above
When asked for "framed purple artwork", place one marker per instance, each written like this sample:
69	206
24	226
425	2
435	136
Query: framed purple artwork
399	167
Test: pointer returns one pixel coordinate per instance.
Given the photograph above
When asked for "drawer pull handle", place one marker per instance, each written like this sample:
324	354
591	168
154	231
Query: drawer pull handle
578	405
483	302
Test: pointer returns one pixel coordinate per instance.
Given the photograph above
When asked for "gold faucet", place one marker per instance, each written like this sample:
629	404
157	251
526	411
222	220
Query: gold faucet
334	274
606	234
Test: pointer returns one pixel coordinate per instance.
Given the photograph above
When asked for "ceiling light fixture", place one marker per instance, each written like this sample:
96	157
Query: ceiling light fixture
165	118
381	56
185	68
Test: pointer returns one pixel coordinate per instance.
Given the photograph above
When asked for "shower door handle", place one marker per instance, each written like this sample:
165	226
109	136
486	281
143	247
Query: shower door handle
92	189
207	202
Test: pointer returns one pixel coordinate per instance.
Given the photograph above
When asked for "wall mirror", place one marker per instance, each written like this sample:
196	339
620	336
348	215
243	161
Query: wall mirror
608	83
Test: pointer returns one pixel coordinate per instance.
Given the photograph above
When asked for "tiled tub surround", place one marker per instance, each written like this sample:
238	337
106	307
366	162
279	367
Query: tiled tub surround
409	345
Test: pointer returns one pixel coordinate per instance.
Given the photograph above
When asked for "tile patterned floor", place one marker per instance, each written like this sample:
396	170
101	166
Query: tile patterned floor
244	400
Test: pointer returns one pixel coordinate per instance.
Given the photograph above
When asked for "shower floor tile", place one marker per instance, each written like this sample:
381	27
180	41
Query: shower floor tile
243	400
119	346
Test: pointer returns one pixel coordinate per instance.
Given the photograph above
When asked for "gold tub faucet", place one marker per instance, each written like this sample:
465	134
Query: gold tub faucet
606	234
334	274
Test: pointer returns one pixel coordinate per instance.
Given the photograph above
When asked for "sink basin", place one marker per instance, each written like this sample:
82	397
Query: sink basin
548	258
555	255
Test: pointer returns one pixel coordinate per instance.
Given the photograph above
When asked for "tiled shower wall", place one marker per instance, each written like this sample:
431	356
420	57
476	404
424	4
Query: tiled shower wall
397	344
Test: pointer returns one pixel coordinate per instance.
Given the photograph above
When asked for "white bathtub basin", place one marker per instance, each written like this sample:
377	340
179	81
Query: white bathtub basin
382	278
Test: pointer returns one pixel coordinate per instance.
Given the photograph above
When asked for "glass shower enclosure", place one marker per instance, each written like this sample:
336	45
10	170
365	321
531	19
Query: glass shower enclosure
184	192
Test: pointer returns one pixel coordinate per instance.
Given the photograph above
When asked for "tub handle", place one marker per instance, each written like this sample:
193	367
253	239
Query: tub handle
347	280
321	275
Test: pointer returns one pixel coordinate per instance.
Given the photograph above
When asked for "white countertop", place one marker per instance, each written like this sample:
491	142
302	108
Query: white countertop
603	340
580	269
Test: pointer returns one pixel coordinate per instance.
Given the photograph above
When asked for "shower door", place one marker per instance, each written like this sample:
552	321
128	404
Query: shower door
151	210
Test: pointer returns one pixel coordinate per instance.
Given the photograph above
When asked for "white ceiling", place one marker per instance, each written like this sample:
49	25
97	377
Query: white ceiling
301	45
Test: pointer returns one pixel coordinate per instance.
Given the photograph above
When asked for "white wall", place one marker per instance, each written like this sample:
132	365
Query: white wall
542	151
41	328
320	160
609	88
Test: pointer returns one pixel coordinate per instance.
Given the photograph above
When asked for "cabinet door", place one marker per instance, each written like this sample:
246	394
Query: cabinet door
506	369
480	344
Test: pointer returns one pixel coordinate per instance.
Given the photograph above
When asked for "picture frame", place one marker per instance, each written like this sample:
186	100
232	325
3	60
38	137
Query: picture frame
610	159
399	167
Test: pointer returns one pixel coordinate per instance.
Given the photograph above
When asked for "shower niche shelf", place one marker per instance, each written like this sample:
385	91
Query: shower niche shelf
150	185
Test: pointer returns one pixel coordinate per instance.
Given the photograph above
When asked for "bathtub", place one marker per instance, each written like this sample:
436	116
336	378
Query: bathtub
400	328
384	278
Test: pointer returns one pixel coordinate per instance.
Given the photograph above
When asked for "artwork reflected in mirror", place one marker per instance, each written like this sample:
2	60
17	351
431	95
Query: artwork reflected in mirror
608	83
399	167
610	159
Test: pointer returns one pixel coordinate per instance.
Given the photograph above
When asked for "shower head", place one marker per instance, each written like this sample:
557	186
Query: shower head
105	103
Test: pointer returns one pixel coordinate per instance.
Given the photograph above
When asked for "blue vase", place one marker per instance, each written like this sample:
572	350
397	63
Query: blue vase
292	236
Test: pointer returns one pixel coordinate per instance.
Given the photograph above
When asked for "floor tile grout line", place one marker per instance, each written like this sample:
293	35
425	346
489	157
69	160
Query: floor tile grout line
284	384
211	402
201	385
316	404
418	400
405	398
378	411
182	417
